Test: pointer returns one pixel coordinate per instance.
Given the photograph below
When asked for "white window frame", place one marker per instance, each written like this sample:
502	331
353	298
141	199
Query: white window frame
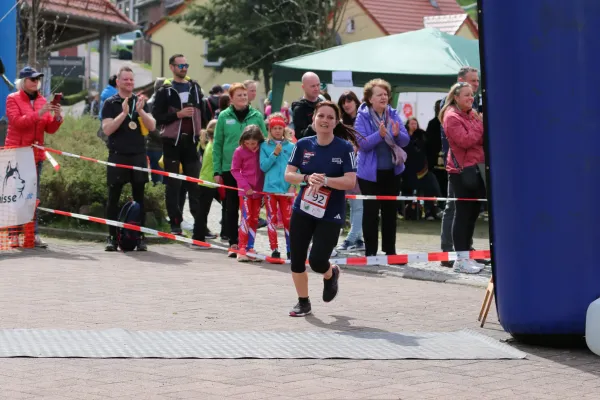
208	63
350	25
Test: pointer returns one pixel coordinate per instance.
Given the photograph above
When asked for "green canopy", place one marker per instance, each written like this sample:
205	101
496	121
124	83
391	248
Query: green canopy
426	60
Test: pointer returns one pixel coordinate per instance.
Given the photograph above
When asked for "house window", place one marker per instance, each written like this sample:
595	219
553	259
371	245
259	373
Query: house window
208	62
350	25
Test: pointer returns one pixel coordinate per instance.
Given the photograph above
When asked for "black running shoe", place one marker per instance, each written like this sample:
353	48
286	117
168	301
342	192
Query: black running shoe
111	244
330	286
142	246
210	235
261	223
301	310
275	254
447	264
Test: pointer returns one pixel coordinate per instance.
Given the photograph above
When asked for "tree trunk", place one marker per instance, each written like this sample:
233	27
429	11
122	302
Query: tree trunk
267	80
31	56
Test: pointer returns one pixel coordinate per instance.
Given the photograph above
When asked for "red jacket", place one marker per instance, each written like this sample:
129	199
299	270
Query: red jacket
465	136
25	127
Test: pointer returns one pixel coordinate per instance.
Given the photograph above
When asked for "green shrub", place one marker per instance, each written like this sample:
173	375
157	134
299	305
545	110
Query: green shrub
74	98
66	86
80	186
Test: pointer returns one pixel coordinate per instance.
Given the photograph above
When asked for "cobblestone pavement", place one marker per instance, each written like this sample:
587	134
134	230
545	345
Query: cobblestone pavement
412	237
76	285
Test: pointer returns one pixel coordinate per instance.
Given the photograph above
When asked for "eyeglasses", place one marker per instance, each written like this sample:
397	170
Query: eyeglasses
182	66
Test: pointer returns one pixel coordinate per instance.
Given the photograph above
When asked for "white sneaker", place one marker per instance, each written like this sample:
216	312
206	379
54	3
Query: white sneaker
466	267
334	253
39	243
478	265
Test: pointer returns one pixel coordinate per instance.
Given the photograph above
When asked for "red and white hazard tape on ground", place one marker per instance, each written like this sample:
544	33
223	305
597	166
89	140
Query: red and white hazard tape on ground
157	233
190	179
356	261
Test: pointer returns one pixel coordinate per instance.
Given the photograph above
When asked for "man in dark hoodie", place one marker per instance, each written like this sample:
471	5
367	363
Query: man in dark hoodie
178	112
303	109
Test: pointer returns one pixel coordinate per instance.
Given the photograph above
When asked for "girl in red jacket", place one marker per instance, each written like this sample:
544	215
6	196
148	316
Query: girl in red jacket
245	168
29	117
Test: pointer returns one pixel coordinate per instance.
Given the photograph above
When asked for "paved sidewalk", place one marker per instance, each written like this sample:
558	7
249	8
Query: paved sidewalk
76	285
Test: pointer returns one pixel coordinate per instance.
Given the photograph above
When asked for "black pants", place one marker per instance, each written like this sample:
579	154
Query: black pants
466	212
116	178
324	236
114	194
427	186
207	194
387	184
232	204
186	154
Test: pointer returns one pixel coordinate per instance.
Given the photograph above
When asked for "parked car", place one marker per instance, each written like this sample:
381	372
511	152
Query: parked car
122	45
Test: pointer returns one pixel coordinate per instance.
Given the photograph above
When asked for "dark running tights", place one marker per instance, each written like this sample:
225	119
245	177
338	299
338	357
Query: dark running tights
324	236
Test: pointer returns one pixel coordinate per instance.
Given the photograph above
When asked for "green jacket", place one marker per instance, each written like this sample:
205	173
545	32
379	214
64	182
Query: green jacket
206	172
227	136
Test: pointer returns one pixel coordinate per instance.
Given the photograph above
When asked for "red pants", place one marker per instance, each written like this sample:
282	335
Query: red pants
250	209
282	204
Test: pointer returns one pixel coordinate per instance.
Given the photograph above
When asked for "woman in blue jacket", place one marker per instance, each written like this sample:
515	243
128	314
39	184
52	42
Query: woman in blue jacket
274	155
380	163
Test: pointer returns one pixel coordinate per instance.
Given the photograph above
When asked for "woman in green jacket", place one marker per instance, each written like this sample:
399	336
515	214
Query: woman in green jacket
230	125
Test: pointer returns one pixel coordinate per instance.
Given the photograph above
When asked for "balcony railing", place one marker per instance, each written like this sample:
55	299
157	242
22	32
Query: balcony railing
172	3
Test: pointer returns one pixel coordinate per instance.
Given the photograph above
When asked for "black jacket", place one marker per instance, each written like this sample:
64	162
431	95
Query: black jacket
302	115
167	103
416	160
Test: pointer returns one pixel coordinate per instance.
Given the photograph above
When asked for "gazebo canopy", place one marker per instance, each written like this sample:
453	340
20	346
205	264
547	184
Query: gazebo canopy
426	60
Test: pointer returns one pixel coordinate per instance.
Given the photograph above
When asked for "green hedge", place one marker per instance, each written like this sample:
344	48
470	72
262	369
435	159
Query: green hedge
74	98
80	186
66	86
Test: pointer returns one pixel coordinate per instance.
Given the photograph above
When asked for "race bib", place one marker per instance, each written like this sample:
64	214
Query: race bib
315	203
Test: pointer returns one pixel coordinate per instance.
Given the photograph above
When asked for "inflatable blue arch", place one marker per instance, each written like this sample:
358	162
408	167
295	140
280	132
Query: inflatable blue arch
541	80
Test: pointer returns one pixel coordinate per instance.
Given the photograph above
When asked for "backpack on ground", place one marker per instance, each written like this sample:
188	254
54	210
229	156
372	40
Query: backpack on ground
131	213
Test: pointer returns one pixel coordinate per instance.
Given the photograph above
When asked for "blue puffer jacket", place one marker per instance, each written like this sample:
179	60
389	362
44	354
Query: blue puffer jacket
274	166
108	91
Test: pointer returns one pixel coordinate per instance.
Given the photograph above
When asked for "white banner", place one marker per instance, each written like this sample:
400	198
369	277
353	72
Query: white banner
19	186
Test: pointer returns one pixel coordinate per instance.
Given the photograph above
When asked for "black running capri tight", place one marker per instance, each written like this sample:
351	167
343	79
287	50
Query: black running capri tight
324	236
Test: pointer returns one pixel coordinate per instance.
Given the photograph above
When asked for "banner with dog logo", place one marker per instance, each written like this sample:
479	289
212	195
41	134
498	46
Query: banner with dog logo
19	186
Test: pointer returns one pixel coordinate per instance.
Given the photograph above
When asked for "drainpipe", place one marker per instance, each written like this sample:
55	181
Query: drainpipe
162	54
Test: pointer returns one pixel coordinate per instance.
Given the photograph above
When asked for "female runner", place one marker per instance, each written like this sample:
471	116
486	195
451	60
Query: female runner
326	165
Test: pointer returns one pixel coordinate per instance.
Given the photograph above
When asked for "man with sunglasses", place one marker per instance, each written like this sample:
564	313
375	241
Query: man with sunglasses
178	110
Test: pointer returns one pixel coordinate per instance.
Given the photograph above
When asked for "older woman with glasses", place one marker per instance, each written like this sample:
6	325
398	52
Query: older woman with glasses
380	163
29	117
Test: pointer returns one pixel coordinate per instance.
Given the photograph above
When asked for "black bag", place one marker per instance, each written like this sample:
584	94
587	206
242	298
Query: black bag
128	239
468	175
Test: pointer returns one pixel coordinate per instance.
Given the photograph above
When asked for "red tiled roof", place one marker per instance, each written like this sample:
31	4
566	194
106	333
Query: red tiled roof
102	10
399	16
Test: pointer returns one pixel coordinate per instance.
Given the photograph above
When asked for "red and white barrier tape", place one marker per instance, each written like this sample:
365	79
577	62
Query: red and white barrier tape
357	261
190	179
153	171
55	165
158	233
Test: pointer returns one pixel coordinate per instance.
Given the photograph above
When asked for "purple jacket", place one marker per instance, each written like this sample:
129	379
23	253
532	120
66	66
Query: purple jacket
369	138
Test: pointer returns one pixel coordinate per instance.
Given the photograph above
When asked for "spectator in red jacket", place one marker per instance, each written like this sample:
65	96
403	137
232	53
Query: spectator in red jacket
29	117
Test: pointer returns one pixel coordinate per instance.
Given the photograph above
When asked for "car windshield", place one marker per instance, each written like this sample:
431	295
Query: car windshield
127	36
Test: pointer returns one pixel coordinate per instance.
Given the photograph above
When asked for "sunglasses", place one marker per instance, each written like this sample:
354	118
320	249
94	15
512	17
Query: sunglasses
182	66
37	78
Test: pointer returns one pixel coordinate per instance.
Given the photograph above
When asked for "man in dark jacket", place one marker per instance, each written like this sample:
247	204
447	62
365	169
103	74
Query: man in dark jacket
303	109
178	110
